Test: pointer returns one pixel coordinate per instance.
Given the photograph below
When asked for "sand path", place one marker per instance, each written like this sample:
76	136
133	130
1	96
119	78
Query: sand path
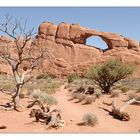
20	121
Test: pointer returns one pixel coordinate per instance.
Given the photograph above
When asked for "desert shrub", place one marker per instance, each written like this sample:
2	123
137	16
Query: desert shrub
98	93
43	97
8	86
7	83
55	85
47	85
89	99
81	97
50	100
74	95
51	87
80	89
42	76
72	77
90	119
36	94
114	93
80	83
124	88
108	73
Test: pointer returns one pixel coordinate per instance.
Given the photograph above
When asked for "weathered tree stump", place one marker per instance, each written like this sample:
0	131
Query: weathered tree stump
40	104
52	118
55	120
119	112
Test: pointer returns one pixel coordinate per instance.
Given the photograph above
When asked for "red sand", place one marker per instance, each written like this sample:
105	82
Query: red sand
20	122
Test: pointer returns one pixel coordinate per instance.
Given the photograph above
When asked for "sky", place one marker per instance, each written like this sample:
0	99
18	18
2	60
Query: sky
124	21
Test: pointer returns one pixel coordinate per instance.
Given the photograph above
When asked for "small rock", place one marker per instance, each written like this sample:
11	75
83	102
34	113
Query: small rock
72	120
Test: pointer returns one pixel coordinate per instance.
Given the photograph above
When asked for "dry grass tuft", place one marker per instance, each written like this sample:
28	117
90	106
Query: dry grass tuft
81	97
89	119
124	88
98	93
43	97
89	99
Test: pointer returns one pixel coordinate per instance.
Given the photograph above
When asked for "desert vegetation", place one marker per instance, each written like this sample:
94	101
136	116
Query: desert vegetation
108	73
43	97
62	102
40	92
90	119
83	91
72	77
7	83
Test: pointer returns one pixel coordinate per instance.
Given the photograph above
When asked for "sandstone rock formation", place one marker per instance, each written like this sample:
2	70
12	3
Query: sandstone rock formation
70	54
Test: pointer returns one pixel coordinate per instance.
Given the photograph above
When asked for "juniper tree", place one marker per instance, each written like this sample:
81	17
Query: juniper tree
108	73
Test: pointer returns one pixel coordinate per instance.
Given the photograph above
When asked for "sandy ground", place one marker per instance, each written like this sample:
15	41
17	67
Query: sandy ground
19	122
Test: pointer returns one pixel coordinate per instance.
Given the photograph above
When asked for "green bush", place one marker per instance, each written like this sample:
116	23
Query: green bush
124	88
108	73
72	77
46	76
42	76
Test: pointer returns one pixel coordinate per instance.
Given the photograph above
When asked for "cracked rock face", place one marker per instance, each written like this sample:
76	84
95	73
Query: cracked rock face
70	54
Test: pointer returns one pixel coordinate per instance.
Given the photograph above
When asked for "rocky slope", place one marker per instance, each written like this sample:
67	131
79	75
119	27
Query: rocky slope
69	52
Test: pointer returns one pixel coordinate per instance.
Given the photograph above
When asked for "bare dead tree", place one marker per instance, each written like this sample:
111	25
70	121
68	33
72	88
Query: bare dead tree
21	50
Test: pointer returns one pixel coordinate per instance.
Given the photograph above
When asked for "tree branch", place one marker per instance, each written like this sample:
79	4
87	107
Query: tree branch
128	103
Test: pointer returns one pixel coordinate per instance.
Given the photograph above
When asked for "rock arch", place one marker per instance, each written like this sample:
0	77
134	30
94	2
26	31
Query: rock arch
71	54
97	42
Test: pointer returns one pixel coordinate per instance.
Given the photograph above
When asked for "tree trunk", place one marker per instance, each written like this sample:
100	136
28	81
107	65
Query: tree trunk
107	90
16	99
19	83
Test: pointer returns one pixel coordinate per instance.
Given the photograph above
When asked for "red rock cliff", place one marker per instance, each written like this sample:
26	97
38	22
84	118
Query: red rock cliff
71	54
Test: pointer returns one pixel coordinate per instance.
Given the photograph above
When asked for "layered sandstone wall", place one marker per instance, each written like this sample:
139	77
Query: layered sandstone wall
69	52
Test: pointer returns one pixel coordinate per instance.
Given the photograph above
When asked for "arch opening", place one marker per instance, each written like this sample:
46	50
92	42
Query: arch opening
97	42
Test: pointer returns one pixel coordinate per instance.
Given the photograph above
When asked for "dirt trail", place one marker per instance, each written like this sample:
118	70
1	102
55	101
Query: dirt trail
20	121
107	124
